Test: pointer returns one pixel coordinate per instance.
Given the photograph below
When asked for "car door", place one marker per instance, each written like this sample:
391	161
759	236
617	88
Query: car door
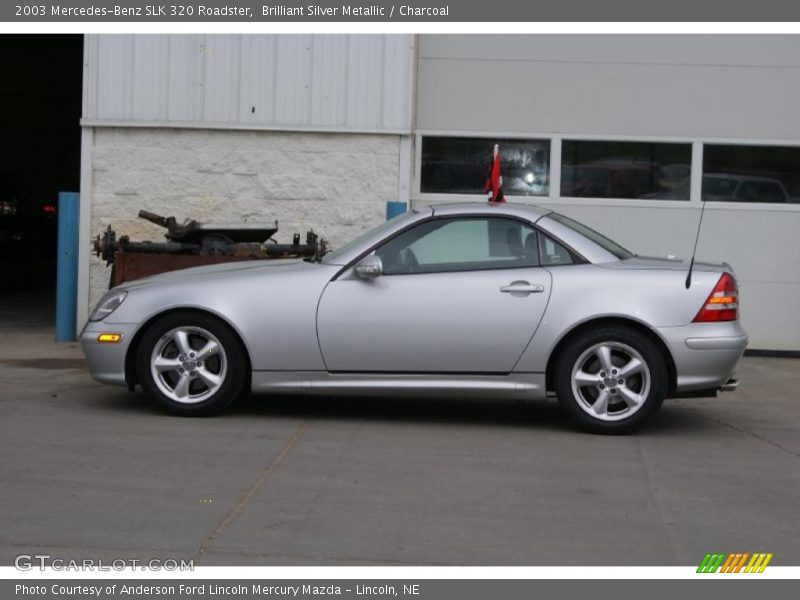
456	294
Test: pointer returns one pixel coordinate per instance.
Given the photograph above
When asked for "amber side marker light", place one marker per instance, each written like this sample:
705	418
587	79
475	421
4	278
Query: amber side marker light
109	338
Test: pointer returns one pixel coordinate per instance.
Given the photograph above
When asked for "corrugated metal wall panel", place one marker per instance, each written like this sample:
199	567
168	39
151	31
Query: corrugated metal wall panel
397	91
342	82
185	78
257	85
222	59
365	63
114	77
329	94
150	72
90	67
293	80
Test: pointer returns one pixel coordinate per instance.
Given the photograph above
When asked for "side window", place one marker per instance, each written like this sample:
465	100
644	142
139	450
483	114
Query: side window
461	244
553	253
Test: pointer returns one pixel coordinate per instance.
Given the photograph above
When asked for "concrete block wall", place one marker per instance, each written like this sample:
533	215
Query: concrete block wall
335	183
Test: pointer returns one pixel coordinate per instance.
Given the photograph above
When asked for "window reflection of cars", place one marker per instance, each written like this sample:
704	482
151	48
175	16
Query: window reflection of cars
611	178
675	173
723	187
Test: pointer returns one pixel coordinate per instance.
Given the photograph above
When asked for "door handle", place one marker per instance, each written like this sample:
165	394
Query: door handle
522	287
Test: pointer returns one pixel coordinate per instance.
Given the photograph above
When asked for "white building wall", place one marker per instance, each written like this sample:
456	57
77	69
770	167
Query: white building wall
671	85
336	184
723	89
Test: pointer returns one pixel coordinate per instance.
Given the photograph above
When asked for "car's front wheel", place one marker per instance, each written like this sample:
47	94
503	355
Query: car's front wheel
611	379
191	364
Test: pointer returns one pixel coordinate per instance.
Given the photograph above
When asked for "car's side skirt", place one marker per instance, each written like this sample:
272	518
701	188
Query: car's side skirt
515	385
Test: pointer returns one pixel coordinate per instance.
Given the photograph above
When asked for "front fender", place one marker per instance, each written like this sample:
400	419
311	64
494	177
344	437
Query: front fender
273	310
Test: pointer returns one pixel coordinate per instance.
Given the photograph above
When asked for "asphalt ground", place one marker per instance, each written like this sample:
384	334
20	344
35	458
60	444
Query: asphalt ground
91	471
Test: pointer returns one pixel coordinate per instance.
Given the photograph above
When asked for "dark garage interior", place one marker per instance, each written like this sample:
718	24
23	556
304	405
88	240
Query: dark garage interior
40	110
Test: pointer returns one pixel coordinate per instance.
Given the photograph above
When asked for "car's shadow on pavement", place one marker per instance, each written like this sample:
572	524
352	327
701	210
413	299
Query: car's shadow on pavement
545	414
537	415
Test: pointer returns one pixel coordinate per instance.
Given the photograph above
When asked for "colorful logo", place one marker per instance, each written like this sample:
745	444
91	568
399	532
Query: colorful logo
736	562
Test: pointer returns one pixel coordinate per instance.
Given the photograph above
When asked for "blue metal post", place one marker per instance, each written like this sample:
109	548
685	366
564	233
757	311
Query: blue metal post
394	208
67	267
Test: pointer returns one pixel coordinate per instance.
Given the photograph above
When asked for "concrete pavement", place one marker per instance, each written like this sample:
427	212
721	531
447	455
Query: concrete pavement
89	471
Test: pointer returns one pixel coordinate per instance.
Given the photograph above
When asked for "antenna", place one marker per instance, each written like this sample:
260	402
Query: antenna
694	251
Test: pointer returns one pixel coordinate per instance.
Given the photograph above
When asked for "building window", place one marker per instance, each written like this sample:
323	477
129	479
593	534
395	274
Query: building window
458	165
629	170
763	174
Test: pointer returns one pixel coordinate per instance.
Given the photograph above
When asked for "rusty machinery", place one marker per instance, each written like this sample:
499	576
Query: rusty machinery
191	244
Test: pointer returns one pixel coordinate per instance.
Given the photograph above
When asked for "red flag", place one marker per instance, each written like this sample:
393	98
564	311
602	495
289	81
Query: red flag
494	180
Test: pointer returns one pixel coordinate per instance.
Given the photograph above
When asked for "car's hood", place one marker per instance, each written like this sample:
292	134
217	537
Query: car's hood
214	271
664	264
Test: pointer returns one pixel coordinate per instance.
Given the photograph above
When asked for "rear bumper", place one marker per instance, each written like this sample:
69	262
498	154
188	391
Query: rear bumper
706	354
107	361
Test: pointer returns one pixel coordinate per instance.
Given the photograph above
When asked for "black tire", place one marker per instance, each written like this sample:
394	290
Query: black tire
583	347
232	377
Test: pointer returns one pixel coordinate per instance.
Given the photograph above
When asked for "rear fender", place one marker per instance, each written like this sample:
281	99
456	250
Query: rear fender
585	293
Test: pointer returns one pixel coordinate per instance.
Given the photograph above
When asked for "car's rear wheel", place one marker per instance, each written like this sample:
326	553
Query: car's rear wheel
191	364
611	379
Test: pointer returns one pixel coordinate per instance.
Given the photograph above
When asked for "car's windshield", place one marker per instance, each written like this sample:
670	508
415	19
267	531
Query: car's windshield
598	238
335	257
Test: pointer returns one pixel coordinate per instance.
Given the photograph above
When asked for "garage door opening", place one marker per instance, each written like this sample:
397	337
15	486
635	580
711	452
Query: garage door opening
40	110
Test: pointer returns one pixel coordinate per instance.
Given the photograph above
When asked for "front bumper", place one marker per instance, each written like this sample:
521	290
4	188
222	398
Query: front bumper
107	361
705	354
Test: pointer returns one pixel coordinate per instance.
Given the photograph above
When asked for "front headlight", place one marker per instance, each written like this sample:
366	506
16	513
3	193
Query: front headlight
107	305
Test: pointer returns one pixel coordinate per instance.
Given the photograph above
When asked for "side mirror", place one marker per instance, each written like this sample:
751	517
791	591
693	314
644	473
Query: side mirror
369	267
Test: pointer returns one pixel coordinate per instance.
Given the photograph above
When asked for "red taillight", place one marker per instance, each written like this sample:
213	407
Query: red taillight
723	302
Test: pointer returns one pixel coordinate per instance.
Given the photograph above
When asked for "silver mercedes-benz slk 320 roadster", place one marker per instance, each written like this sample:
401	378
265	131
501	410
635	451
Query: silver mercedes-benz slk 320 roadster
459	300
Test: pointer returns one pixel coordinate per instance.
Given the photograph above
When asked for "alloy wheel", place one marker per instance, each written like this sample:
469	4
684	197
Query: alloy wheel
188	364
610	381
